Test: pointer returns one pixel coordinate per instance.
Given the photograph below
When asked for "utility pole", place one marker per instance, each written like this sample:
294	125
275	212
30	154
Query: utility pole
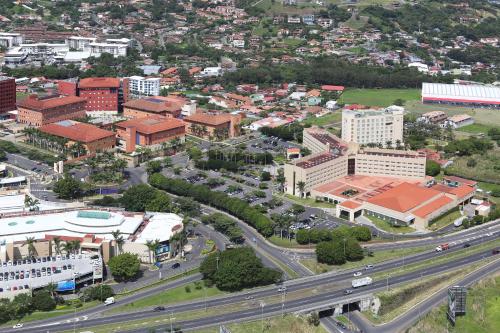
171	326
262	304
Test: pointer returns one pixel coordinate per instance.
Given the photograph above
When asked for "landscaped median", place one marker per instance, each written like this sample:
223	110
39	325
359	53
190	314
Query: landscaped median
397	301
378	256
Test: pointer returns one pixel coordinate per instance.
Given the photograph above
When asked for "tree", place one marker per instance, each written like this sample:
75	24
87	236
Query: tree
153	167
51	288
265	176
30	242
361	233
99	292
68	188
432	168
137	197
471	163
353	250
331	253
43	301
160	203
301	186
119	240
124	266
236	269
22	304
57	244
280	178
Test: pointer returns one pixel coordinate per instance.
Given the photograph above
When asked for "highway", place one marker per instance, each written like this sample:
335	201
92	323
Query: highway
290	306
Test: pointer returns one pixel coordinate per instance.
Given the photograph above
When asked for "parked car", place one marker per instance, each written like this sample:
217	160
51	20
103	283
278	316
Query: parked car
176	265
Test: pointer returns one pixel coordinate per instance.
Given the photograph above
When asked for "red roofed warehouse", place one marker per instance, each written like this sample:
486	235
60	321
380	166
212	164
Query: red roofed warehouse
101	94
149	132
92	138
36	111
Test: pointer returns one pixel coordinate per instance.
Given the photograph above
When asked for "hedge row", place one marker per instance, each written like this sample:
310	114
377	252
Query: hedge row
201	193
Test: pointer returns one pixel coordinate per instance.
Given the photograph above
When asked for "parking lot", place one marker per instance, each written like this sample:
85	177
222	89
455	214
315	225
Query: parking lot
36	273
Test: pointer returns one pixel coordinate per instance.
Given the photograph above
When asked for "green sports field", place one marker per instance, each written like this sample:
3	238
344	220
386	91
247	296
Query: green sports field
378	97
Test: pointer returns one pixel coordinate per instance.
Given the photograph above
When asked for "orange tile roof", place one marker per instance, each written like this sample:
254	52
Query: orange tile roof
34	103
350	204
432	206
152	104
462	191
76	131
154	124
99	82
209	119
403	197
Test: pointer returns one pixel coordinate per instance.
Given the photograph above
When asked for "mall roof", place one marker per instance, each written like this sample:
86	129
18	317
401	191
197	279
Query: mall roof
404	197
432	206
76	131
461	92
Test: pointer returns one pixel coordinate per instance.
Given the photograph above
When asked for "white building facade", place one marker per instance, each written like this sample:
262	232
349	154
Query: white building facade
139	85
373	126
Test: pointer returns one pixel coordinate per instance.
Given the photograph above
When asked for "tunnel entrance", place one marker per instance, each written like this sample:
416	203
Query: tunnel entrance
349	307
326	313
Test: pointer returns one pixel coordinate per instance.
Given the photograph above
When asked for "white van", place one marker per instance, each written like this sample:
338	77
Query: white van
109	301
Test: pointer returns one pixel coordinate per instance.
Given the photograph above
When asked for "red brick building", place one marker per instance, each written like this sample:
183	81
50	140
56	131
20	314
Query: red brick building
219	126
101	94
93	138
7	94
36	111
68	87
148	132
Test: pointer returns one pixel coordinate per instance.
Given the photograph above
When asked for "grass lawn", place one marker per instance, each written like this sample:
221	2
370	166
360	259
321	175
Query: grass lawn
445	220
378	256
309	202
40	315
174	295
328	119
385	226
378	97
475	128
287	324
484	170
483	308
293	42
284	242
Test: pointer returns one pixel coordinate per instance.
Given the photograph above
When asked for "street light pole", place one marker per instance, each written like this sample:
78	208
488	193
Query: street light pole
387	282
171	326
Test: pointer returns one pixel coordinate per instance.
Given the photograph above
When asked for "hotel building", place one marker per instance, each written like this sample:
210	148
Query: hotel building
373	126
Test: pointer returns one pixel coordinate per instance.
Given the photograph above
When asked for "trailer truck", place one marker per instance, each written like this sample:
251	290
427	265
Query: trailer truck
362	282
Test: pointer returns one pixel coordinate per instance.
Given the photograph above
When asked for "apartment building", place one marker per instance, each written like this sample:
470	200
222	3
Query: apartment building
312	171
373	126
141	86
7	94
391	163
36	111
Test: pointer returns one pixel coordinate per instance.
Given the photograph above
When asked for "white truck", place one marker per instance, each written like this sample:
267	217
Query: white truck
109	301
362	282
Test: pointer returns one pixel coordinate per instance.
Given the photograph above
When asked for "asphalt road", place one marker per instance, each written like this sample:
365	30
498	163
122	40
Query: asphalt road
417	312
289	306
330	324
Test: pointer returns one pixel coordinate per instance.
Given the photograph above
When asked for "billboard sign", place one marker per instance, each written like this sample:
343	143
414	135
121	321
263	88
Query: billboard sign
456	302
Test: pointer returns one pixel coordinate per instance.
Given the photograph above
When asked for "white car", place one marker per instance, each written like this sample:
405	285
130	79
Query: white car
282	289
358	274
18	325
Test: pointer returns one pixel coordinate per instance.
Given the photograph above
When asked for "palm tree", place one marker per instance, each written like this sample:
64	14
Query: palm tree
57	244
301	186
76	245
51	288
388	144
30	241
118	238
151	247
68	247
398	144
